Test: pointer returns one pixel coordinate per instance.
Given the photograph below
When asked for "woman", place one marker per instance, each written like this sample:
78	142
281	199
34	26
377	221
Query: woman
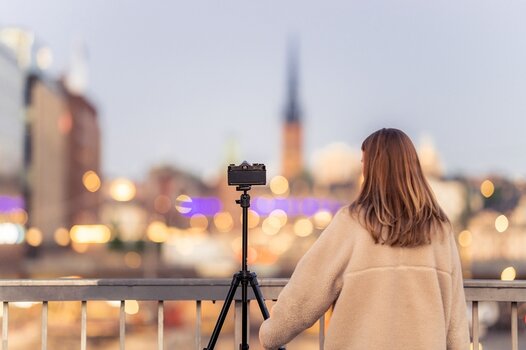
388	263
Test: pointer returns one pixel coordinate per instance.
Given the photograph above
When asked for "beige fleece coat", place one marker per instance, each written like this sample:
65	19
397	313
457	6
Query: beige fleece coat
384	297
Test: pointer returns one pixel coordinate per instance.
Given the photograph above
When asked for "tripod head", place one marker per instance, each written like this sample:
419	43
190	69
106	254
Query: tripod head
244	200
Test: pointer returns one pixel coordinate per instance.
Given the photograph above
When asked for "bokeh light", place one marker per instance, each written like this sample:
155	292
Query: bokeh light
11	233
62	236
322	219
157	232
508	274
183	204
271	225
223	222
280	215
18	217
34	237
465	239
24	304
199	222
487	188
131	307
91	181
90	234
303	227
279	185
133	260
122	190
501	223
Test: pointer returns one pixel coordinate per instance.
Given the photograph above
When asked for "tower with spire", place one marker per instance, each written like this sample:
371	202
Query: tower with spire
292	151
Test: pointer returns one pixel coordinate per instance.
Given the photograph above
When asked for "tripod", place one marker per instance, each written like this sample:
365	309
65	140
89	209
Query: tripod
244	277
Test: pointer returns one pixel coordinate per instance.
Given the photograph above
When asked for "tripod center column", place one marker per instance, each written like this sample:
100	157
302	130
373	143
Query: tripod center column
245	204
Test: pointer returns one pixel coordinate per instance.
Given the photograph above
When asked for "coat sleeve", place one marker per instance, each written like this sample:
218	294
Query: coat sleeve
458	330
312	288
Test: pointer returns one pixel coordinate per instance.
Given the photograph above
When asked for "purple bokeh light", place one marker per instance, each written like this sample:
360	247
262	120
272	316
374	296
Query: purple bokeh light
208	206
9	204
295	206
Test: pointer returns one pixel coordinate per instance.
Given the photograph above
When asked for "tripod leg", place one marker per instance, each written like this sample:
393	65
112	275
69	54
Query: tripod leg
259	296
228	301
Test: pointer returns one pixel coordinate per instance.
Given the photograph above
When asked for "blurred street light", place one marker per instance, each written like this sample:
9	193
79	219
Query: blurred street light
122	190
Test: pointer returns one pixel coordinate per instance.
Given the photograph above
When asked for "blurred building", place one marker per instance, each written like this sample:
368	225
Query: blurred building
12	126
84	159
166	188
292	147
63	157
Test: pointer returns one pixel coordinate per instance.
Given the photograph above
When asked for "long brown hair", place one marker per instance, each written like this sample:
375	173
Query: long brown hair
396	204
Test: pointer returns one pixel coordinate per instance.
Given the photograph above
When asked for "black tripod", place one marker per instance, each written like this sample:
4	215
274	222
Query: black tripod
244	277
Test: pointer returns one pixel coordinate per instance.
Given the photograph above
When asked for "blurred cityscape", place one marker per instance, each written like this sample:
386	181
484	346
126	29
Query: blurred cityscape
61	217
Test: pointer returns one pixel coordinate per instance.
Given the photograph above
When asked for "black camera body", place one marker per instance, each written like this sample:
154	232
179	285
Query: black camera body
247	174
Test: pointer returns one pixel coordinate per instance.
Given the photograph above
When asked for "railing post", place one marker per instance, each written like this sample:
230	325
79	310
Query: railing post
198	314
475	324
322	332
160	325
5	323
83	321
44	325
122	326
514	330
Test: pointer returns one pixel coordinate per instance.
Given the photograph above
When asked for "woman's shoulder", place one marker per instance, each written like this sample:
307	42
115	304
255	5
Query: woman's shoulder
343	216
350	217
344	222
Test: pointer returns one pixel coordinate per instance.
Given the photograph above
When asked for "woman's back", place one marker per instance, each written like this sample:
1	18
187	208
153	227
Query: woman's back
394	297
386	297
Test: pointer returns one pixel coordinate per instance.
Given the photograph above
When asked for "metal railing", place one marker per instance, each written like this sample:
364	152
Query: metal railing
512	292
199	290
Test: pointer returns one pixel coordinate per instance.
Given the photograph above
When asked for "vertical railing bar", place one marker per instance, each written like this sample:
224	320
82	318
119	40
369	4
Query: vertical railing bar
514	325
5	322
83	322
238	323
198	315
122	326
322	332
160	325
475	324
44	325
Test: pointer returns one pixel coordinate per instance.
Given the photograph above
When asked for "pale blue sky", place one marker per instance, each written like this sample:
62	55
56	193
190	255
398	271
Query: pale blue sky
175	80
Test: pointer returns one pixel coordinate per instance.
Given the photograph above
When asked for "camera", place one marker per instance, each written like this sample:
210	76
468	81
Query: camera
247	174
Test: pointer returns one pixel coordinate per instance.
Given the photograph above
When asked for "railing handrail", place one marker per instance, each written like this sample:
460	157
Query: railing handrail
197	289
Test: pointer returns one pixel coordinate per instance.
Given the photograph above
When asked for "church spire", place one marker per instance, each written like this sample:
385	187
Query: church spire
292	110
292	152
